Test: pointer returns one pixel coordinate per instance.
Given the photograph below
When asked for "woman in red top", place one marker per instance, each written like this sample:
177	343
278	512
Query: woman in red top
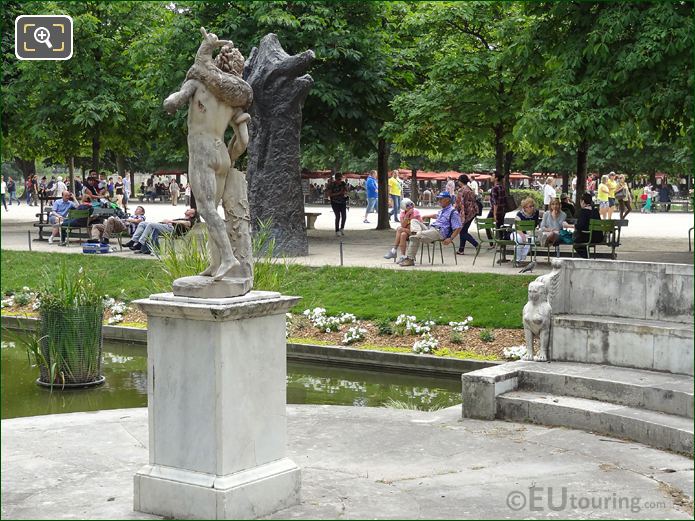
467	208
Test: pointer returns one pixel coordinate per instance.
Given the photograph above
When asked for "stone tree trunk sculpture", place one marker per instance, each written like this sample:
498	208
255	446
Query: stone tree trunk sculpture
275	190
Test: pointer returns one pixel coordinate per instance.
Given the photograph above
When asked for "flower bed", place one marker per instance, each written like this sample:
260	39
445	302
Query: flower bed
404	334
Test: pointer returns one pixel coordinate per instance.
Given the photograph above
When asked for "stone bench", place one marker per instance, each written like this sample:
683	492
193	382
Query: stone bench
311	219
630	314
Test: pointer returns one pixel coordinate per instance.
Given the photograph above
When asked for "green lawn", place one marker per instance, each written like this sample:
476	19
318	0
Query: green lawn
492	300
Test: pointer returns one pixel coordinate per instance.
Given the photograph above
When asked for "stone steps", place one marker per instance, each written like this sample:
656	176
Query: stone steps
624	342
660	430
655	391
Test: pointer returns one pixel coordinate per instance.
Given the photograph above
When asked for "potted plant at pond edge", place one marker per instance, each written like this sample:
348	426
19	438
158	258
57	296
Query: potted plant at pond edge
71	313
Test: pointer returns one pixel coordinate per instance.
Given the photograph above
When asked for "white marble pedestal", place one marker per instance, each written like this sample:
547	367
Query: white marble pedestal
216	392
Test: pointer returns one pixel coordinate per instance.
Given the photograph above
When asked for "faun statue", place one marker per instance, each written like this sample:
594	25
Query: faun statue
218	97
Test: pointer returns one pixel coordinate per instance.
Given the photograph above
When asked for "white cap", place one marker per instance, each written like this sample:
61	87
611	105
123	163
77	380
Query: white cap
60	178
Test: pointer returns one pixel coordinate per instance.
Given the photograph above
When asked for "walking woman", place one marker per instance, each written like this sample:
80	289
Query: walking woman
602	196
118	191
336	191
623	196
174	192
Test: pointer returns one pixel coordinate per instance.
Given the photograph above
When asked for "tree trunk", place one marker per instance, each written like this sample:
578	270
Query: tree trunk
96	144
275	186
565	182
414	191
508	158
120	164
383	180
652	178
582	164
71	173
132	186
499	151
27	166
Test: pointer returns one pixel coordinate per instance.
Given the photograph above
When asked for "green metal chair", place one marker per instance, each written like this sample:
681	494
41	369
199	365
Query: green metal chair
501	243
434	251
609	228
76	214
528	228
483	224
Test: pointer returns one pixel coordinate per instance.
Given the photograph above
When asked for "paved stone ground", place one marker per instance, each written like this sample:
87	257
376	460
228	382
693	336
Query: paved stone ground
659	237
361	463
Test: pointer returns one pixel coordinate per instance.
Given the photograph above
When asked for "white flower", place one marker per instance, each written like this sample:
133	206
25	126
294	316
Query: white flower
461	326
115	319
514	352
26	289
118	308
354	334
426	344
347	318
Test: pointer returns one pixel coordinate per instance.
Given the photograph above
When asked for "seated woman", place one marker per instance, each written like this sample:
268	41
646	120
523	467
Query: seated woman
528	212
408	214
553	221
581	229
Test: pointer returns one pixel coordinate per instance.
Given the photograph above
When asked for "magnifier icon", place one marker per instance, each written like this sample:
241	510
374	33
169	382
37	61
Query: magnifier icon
42	35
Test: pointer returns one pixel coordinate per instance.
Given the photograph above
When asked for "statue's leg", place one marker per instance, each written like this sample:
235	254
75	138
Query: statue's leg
237	214
544	343
214	252
528	334
207	157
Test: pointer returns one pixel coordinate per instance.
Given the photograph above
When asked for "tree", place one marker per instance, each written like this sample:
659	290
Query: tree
606	72
469	100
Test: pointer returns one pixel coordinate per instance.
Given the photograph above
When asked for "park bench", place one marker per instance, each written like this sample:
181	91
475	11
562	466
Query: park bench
44	211
311	219
611	239
151	197
683	204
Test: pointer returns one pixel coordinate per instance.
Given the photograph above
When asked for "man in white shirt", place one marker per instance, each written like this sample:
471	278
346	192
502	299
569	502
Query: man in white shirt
3	187
473	185
59	187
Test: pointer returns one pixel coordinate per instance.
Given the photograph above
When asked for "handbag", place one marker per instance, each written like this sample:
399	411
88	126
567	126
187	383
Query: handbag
620	194
566	237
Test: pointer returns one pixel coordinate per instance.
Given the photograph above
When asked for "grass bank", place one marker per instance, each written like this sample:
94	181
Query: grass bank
376	294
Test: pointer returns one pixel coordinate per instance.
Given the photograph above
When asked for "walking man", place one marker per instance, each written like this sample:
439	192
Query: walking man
372	195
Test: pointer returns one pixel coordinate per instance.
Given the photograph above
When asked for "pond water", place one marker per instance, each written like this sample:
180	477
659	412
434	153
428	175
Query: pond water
125	369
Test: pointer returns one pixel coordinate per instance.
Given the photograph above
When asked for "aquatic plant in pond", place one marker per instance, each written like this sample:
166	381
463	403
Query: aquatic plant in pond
71	311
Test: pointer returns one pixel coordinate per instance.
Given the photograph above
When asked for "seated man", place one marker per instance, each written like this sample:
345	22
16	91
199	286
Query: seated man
567	207
85	204
59	212
149	232
102	232
446	227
